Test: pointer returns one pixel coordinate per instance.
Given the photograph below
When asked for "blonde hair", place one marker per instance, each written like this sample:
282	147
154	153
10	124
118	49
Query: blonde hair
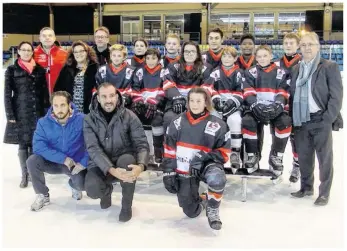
173	35
229	50
104	29
119	47
292	35
263	47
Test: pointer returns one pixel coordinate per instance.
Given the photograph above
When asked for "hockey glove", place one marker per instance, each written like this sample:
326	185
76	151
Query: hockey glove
138	106
197	165
170	181
178	104
261	112
229	107
218	104
150	111
277	108
126	100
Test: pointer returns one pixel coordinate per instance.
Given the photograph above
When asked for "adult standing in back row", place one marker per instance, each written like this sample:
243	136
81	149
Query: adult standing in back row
315	101
50	56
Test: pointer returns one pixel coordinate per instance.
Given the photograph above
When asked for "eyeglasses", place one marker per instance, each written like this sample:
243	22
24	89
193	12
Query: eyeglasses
307	45
79	52
28	51
189	52
100	37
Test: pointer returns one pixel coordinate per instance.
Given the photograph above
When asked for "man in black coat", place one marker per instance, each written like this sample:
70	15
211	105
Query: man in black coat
102	46
117	146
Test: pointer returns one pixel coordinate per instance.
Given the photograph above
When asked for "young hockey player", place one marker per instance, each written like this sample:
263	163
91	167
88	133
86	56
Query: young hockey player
266	94
247	45
288	61
179	78
228	85
118	72
148	98
197	145
140	48
172	46
214	54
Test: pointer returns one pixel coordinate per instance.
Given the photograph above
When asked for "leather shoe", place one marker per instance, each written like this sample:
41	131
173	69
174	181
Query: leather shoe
321	201
301	193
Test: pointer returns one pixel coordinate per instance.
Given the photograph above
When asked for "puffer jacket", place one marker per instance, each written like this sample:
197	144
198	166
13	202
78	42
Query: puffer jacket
107	142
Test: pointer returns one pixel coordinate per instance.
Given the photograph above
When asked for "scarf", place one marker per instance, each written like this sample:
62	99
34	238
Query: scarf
172	55
301	110
27	66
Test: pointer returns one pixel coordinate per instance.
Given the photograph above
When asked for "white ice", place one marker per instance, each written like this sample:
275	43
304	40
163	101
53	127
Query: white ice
269	219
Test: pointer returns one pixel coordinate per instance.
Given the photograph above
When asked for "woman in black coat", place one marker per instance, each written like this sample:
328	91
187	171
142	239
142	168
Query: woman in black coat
77	77
26	97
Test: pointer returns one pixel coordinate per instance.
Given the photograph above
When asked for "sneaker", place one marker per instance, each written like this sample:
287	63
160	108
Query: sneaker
40	202
125	214
213	218
77	195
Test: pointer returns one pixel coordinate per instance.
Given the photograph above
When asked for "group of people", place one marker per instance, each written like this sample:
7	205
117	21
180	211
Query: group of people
84	114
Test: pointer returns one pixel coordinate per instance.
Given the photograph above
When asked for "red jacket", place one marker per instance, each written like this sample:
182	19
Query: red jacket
52	62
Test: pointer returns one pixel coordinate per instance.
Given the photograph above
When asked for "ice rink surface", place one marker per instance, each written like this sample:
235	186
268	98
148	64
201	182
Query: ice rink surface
269	219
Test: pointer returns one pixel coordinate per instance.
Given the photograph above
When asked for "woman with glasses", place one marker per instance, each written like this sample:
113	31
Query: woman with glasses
180	77
315	103
26	97
78	75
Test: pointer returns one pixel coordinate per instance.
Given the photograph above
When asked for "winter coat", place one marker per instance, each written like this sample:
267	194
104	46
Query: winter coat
106	142
26	97
52	62
65	82
54	142
104	56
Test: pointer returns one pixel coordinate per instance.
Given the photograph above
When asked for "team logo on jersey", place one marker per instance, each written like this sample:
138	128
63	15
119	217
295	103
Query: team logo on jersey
238	77
227	136
215	75
253	72
128	73
177	123
102	71
280	73
139	74
212	127
162	73
176	66
166	72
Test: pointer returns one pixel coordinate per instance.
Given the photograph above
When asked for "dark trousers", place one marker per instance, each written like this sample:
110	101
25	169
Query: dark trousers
37	166
99	185
188	190
315	137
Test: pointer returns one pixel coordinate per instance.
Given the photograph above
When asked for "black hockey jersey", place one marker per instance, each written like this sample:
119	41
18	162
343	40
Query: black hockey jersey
165	61
228	84
266	85
288	65
136	62
246	65
186	136
174	86
121	77
148	84
211	58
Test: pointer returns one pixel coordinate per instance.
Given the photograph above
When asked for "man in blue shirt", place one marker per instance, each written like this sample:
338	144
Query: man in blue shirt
58	147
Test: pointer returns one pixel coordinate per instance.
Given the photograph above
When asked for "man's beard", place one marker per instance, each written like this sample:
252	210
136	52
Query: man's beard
61	116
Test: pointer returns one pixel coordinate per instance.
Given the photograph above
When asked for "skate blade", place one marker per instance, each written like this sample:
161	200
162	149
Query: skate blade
277	180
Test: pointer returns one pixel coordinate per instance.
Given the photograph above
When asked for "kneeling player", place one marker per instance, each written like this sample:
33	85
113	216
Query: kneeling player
117	72
228	85
148	98
265	94
196	147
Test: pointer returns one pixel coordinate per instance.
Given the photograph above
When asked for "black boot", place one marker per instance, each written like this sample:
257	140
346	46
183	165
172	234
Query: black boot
128	190
158	148
106	201
23	156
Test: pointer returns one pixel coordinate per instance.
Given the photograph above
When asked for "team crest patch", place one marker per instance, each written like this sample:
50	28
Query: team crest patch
102	71
176	66
177	123
128	73
253	72
139	74
238	77
212	127
166	72
162	73
215	75
280	73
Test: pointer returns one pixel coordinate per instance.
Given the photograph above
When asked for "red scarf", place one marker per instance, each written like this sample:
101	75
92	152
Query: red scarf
27	66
